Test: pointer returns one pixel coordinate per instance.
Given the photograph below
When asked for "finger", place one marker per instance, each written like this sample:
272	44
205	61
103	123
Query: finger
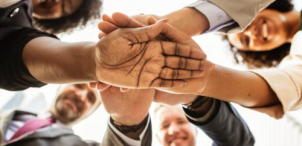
187	63
107	18
102	86
177	49
125	21
124	89
144	34
92	85
168	83
169	73
106	27
102	34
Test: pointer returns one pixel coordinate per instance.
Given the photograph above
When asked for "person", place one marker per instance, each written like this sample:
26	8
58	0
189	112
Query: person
51	15
32	58
267	40
72	104
132	119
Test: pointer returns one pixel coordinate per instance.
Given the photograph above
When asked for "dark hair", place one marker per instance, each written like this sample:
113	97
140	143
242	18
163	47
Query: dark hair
89	10
272	58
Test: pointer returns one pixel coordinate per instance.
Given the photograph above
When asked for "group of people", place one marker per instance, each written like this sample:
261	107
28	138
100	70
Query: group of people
147	58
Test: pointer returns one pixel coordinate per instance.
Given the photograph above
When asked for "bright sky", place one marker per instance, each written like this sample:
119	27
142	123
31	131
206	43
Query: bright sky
266	131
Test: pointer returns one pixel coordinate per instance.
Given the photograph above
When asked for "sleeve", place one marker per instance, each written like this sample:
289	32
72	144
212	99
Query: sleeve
13	72
225	126
285	81
217	18
242	12
115	137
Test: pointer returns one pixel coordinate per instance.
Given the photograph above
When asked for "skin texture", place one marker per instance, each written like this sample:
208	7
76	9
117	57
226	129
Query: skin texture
125	58
242	87
53	9
74	101
269	30
148	63
173	127
169	32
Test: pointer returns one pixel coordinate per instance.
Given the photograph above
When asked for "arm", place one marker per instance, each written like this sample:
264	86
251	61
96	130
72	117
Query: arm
213	15
126	53
242	87
130	110
222	123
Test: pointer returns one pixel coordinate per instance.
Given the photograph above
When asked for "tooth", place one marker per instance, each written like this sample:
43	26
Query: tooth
264	30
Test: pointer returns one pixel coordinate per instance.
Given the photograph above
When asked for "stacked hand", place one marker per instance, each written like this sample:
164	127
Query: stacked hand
131	58
192	59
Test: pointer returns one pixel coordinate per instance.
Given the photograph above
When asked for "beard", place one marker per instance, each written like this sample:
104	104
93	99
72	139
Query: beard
66	112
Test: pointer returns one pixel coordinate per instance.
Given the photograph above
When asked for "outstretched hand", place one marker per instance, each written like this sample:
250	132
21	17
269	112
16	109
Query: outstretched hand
189	55
141	62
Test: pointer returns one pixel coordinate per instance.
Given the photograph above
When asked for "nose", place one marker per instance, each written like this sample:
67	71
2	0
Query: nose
174	128
82	94
251	32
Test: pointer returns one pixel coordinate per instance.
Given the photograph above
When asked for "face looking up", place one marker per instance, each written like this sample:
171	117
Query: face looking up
74	101
174	128
53	9
266	32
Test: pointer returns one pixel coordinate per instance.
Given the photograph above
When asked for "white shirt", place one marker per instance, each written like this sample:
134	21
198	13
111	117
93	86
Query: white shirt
216	16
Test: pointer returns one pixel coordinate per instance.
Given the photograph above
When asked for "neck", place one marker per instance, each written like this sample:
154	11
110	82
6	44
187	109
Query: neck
292	20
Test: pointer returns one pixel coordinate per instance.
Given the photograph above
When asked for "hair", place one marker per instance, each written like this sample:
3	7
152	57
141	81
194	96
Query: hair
266	59
89	10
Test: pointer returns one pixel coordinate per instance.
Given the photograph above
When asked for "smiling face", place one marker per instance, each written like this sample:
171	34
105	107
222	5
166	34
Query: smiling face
74	101
53	9
268	31
174	128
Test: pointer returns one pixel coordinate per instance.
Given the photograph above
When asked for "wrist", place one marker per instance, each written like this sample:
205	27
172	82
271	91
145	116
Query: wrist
128	120
90	65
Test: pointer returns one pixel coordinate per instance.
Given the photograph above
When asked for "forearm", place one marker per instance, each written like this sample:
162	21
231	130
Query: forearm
53	61
242	87
188	20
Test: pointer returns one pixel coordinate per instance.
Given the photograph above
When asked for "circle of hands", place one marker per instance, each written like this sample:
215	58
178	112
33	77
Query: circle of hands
141	52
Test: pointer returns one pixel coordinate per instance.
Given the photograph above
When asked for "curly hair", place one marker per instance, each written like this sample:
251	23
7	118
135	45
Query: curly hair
265	59
89	10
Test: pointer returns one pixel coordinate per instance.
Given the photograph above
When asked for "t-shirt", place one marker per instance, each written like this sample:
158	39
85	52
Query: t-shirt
16	30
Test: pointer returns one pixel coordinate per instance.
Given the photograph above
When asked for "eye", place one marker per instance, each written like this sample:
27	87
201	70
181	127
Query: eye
165	126
91	98
247	41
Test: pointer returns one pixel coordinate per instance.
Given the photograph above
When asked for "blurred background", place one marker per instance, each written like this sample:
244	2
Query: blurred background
267	131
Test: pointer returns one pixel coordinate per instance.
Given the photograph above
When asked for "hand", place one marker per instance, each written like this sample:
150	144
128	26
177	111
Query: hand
136	70
173	99
128	108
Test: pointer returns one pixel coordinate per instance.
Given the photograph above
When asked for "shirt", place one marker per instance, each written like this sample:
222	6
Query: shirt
216	16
